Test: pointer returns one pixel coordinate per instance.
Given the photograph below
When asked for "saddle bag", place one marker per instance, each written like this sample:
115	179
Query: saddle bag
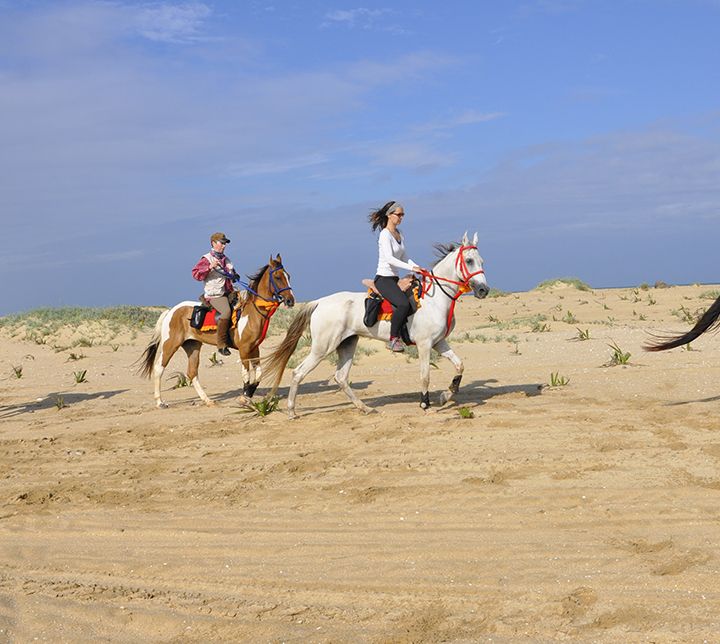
198	316
372	309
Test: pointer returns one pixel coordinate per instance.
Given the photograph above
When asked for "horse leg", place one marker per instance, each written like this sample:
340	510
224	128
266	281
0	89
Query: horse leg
302	370
192	349
424	359
250	372
255	372
443	348
165	352
346	351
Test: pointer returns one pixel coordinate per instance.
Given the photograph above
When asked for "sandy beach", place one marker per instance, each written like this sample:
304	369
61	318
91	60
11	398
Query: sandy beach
585	511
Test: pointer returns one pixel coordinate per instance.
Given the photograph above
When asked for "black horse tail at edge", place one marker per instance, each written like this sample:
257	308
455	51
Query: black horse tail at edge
709	320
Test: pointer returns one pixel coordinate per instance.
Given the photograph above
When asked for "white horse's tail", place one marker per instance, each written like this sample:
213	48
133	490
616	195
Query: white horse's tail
147	360
275	363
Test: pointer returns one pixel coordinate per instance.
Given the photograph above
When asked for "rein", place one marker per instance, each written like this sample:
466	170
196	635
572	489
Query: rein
270	305
429	278
275	298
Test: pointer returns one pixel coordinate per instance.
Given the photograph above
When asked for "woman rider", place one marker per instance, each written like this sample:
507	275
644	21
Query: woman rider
391	257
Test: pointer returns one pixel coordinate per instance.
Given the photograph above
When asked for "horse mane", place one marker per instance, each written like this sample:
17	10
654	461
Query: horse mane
256	277
443	250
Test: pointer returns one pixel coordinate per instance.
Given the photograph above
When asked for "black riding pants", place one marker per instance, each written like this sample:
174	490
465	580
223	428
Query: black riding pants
389	289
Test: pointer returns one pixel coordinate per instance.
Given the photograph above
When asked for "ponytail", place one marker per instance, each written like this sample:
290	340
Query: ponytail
379	218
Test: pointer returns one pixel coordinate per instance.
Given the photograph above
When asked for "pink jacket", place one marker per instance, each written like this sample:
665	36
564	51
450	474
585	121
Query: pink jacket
216	284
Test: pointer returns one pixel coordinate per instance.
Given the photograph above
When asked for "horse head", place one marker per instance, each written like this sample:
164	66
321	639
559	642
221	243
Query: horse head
469	267
278	282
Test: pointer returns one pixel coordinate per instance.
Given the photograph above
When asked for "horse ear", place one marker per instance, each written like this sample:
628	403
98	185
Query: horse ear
278	259
271	260
474	240
465	239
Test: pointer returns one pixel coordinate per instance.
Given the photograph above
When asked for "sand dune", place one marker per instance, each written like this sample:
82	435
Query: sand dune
588	511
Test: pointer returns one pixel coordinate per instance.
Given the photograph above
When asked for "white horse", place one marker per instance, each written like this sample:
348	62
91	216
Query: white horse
336	323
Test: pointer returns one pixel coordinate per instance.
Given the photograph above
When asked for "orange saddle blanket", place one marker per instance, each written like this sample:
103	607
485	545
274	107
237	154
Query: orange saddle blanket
210	324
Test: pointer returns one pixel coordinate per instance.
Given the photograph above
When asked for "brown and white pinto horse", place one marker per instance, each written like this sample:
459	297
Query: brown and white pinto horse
268	288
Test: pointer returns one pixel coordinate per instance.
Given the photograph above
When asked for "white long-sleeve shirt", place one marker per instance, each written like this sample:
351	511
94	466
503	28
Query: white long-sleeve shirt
392	255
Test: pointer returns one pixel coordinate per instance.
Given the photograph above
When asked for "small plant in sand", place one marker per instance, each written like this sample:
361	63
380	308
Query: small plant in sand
582	334
570	318
83	342
265	406
60	402
80	376
709	295
651	300
466	412
75	356
114	347
539	327
556	380
618	357
516	351
17	371
685	315
687	347
181	380
214	360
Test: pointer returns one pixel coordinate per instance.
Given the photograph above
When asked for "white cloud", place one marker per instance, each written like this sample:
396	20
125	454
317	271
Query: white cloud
276	167
410	155
169	23
467	117
361	17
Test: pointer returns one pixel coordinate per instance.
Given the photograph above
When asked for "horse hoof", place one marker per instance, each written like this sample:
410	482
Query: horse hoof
162	405
210	403
291	415
445	397
245	401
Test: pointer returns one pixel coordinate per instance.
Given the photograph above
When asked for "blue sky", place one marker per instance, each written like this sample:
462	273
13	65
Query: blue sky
577	137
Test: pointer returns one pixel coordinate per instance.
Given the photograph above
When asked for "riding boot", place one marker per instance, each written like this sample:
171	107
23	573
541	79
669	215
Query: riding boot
223	326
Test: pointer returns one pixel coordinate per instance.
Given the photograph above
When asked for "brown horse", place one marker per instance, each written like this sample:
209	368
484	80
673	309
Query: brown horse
268	288
708	320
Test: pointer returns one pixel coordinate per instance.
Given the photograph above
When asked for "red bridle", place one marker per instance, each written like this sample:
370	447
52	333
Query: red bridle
460	268
463	287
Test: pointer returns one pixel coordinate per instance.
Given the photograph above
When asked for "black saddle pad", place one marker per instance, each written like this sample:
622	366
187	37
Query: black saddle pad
198	316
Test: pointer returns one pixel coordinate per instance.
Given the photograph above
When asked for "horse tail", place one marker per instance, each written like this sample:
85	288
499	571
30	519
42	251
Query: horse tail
708	320
275	363
147	360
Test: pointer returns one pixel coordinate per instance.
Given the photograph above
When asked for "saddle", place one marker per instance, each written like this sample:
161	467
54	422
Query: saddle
203	314
377	308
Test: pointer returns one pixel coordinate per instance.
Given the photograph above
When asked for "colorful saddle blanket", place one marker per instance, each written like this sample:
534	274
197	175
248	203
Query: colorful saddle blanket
378	308
203	318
